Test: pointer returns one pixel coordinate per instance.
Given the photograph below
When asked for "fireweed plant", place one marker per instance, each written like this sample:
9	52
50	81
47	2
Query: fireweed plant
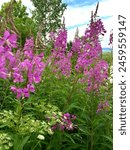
59	100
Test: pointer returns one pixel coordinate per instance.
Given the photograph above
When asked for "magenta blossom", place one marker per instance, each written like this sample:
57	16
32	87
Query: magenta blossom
9	39
66	123
23	92
103	106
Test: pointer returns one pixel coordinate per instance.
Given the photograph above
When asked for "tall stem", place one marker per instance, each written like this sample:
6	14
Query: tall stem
70	94
91	119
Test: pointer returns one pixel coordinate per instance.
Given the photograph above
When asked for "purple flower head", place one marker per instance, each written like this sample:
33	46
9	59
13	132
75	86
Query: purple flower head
31	88
28	48
9	39
2	50
73	117
26	92
19	93
14	89
23	92
26	65
3	73
62	127
52	36
67	115
54	127
69	126
66	123
103	106
97	75
36	77
10	56
17	77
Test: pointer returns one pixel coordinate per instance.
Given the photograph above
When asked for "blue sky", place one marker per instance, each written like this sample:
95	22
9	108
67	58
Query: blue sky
78	15
80	3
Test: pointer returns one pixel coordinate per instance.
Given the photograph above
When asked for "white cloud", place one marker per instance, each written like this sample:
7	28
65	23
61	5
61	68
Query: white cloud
108	24
74	16
105	8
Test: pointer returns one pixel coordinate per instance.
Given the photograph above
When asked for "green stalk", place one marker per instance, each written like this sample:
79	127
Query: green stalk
91	118
70	94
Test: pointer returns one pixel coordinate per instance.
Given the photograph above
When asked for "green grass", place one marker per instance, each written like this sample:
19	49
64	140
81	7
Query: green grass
107	56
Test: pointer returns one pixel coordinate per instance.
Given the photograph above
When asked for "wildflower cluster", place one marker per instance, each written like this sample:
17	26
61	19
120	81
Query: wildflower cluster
66	123
22	67
88	47
61	60
97	75
88	50
25	67
7	58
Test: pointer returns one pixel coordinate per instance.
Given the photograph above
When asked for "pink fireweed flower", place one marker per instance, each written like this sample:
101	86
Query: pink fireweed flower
76	45
88	47
14	89
3	70
52	36
54	127
103	106
26	65
3	73
36	77
19	93
28	48
17	77
97	75
60	58
31	88
9	39
25	92
66	123
10	56
61	40
7	58
2	50
67	115
96	28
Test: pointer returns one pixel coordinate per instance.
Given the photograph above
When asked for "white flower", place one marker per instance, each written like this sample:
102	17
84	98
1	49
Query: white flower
40	137
111	80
